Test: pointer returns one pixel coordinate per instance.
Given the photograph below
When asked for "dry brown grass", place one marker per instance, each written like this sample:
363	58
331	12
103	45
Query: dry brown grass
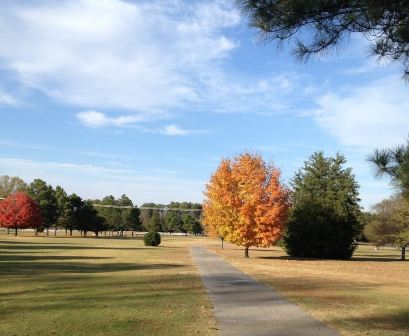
368	295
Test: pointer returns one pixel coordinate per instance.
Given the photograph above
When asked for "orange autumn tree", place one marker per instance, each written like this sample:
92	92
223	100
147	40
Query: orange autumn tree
246	204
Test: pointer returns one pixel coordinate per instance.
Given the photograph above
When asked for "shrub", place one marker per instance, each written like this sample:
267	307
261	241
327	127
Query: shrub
151	238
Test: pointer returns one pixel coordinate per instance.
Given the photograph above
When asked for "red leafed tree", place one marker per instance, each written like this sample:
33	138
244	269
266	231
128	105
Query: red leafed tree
19	211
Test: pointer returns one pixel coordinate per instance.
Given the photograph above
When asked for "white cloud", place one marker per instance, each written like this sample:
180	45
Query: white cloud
97	119
140	56
145	56
8	100
175	130
368	116
93	181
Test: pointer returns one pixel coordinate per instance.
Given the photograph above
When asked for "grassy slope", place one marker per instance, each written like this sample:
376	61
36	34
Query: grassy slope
88	286
366	296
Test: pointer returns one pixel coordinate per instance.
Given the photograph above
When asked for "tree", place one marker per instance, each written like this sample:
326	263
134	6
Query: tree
320	25
191	224
120	214
173	221
19	211
394	163
71	219
89	220
390	224
324	218
246	203
11	184
128	215
44	195
131	219
111	213
155	224
63	210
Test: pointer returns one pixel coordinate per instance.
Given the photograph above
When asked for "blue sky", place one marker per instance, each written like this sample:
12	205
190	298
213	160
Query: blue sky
144	98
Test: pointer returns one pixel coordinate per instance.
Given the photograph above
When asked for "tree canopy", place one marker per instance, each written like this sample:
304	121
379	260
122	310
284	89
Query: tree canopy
317	26
246	204
19	211
44	195
325	216
393	163
390	224
11	184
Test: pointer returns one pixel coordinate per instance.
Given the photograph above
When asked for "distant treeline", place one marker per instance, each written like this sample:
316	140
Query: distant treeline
113	215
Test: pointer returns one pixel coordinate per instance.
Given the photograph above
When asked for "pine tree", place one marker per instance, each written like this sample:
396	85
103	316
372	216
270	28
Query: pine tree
324	218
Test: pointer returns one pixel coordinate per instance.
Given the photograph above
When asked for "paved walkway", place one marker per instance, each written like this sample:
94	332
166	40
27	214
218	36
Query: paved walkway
245	307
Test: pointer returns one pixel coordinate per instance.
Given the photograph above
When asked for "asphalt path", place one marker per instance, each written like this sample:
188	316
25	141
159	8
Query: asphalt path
244	307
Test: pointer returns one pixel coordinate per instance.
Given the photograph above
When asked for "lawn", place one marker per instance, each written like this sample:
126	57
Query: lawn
87	286
368	295
110	286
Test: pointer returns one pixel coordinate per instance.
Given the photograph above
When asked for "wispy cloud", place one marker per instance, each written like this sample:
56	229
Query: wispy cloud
140	56
370	115
175	130
8	100
148	57
95	119
95	181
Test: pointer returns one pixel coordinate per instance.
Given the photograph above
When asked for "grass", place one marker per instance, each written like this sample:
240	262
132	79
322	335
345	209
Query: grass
368	295
109	286
87	286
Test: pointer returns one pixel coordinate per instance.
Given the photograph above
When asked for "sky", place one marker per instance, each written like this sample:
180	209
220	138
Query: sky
145	97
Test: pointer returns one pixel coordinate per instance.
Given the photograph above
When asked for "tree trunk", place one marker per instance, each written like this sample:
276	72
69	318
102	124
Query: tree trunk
36	232
246	252
15	231
47	231
96	233
222	238
55	231
71	232
132	233
403	252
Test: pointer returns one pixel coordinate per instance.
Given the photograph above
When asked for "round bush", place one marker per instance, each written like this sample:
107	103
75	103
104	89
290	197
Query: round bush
151	238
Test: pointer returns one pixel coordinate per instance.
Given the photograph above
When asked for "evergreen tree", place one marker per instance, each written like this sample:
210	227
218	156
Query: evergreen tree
62	207
173	221
155	224
393	163
324	219
191	224
44	195
320	25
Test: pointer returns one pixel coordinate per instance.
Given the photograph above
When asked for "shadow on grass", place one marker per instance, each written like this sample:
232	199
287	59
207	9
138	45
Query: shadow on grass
11	242
380	258
7	257
397	321
43	268
5	245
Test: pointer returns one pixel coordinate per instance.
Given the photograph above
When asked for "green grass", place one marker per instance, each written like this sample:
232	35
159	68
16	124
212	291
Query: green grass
367	295
87	286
